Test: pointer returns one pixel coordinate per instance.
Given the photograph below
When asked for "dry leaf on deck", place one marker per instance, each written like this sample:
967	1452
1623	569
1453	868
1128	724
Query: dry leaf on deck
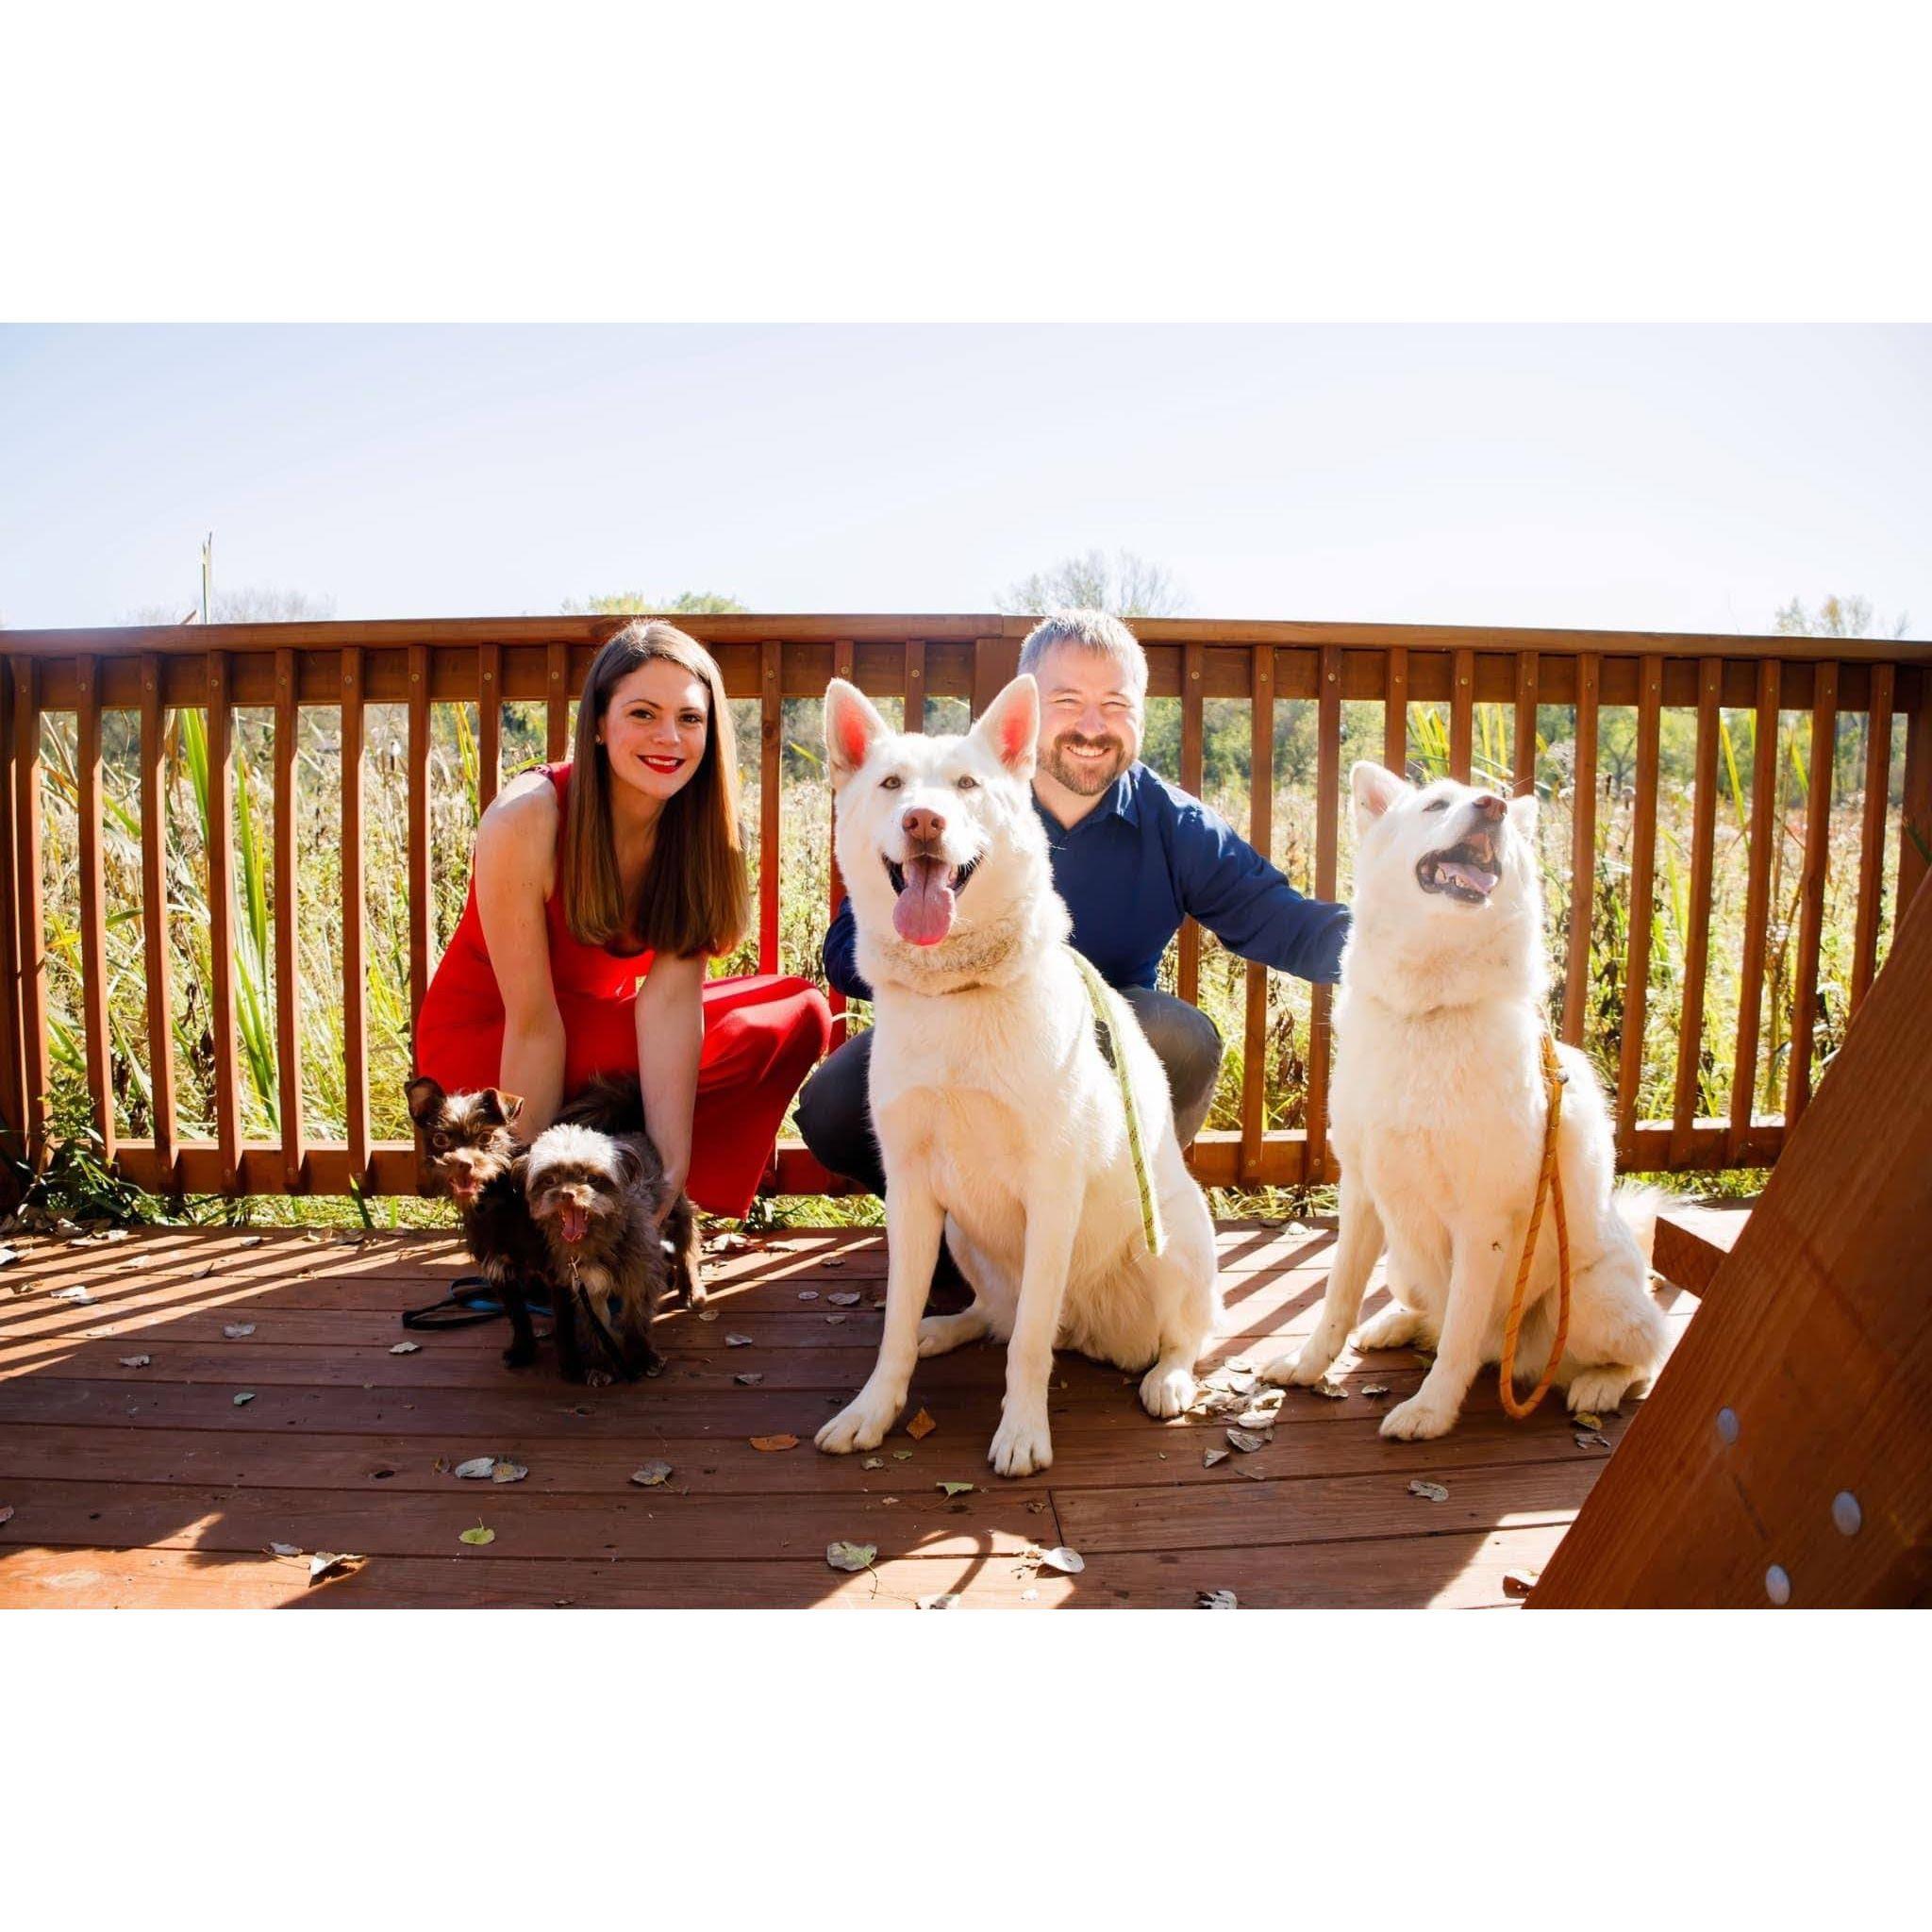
707	1314
7	1256
477	1469
71	1294
136	1361
285	1549
247	1395
807	1294
1592	1439
1068	1562
234	1331
843	1301
1210	1456
651	1475
750	1379
954	1489
833	1321
477	1536
1248	1440
843	1555
1376	1391
404	1347
1584	1420
920	1426
1430	1492
738	1341
773	1442
1217	1600
1333	1390
509	1472
874	1462
6	1512
326	1563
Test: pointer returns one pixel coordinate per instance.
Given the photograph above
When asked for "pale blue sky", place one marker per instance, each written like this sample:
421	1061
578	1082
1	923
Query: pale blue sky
1670	478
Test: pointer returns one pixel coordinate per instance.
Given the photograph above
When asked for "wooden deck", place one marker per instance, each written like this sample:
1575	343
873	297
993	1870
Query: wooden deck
152	1484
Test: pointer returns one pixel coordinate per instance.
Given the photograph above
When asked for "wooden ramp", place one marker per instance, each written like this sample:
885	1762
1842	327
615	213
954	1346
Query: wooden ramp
148	1482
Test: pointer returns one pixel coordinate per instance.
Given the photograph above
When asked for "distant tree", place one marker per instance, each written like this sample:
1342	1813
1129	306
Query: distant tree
1127	585
635	603
253	604
1839	617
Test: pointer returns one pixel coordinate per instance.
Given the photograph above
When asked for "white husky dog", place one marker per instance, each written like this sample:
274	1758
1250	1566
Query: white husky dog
998	1116
1439	1116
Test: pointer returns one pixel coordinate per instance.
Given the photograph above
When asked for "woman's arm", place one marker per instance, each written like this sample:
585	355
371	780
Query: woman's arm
671	1036
516	847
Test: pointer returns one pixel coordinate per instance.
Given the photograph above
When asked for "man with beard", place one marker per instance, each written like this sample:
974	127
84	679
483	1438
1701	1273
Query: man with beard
1132	856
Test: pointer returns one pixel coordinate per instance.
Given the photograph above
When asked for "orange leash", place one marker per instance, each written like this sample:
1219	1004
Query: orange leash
1549	1181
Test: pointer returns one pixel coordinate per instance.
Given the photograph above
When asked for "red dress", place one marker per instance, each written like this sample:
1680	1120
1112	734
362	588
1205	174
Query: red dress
762	1035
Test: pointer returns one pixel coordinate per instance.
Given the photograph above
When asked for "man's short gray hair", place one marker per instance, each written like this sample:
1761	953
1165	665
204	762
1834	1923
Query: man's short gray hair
1091	630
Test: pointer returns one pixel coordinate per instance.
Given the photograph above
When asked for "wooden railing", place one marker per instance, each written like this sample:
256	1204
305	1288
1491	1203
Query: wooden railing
490	663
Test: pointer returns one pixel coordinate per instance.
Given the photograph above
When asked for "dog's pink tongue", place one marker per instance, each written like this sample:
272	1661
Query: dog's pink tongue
922	913
577	1222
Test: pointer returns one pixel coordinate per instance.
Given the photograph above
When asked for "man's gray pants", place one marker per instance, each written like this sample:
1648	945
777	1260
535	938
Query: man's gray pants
836	1120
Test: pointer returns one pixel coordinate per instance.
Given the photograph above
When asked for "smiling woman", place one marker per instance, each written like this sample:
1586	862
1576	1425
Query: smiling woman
599	889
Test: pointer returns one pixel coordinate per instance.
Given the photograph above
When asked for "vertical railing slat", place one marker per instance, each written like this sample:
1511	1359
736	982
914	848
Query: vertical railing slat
1757	911
355	955
1582	849
1871	834
1711	676
221	902
1193	662
1395	714
12	1061
842	667
1915	820
771	726
93	895
1811	889
32	912
1523	749
1461	713
153	896
1327	810
915	684
1261	837
557	723
1642	892
488	725
287	950
421	891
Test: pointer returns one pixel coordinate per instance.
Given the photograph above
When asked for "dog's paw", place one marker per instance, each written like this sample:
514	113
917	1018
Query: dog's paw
1394	1327
1301	1370
1166	1391
861	1425
520	1354
1020	1446
1600	1390
1418	1420
940	1334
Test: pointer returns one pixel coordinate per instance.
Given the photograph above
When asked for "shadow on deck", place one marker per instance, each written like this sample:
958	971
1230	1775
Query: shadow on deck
150	1483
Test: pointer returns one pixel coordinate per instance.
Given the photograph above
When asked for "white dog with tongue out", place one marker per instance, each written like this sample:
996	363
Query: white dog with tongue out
1438	1113
1000	1118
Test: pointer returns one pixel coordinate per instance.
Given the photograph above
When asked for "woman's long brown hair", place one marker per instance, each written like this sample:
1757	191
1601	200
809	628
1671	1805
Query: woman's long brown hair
696	896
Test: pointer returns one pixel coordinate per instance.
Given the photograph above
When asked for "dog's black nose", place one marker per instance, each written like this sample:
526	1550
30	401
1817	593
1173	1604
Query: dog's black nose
1489	806
923	824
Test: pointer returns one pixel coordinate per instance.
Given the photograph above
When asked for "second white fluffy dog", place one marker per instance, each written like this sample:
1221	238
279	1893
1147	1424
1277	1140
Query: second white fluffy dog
1437	1119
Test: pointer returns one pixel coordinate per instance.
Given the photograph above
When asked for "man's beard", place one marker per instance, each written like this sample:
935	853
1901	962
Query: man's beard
1086	778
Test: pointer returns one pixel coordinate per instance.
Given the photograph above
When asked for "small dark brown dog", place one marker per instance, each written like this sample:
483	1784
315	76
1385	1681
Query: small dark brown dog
477	1160
596	1196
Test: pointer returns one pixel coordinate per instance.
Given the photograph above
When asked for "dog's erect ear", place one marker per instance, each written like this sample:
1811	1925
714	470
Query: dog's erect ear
1009	727
630	1167
852	729
1375	789
425	1099
1523	816
500	1106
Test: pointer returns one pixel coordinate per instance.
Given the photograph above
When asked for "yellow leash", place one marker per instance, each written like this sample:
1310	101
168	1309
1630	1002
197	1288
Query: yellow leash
1549	1182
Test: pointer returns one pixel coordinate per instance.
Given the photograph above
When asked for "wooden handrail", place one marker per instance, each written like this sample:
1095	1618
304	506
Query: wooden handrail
771	660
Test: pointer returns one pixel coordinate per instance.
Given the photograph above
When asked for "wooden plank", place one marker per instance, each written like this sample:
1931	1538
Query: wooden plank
32	943
1523	742
1811	889
154	893
489	723
1643	909
221	902
355	950
771	746
1693	1241
1872	835
1764	831
1395	714
1697	947
1188	961
842	667
1915	820
1321	998
915	685
93	918
288	949
1582	852
1261	837
420	885
1462	714
1786	1455
12	1057
556	692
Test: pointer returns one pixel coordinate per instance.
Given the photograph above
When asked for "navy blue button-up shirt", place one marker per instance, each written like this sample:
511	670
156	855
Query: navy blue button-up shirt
1146	858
